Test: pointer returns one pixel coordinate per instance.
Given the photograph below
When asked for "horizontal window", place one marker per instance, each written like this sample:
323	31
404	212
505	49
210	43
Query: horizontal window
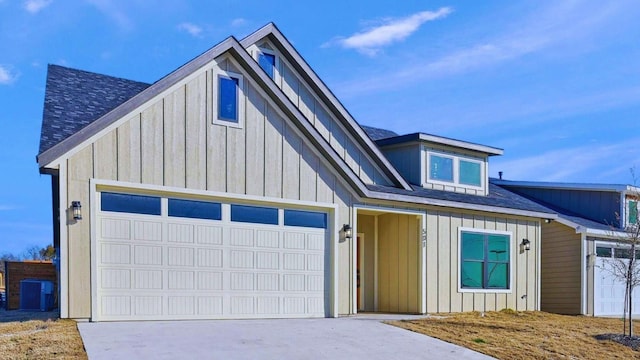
254	214
137	204
484	262
195	209
305	219
455	170
602	251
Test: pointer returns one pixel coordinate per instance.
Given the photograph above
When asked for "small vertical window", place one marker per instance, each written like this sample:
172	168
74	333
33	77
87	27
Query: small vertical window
267	62
633	212
228	95
441	168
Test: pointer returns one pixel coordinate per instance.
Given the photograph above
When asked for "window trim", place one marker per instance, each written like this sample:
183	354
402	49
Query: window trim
240	106
512	250
276	61
456	170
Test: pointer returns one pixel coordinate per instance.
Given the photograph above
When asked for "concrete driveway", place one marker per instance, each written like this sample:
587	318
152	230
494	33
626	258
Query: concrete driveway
360	337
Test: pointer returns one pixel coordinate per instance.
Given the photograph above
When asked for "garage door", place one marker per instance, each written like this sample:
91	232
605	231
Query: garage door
608	289
160	258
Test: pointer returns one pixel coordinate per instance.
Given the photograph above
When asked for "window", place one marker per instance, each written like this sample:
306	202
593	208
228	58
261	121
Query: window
195	209
254	214
602	251
470	173
228	98
137	204
455	170
441	168
484	260
633	212
305	218
267	62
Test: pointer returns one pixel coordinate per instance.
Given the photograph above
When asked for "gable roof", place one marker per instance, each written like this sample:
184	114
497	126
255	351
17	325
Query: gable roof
272	32
128	102
74	98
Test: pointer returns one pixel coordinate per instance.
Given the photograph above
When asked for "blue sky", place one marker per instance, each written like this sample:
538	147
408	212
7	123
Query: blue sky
555	84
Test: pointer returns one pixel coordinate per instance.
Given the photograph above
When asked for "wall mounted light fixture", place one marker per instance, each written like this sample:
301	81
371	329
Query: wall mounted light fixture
348	232
526	244
77	210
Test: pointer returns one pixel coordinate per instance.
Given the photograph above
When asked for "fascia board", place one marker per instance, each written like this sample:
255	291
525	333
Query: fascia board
53	155
329	98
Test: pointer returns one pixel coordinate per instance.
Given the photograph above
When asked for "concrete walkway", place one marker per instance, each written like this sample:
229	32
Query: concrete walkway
360	337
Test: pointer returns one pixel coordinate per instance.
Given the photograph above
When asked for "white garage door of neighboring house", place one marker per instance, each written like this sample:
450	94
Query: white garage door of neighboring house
160	258
608	289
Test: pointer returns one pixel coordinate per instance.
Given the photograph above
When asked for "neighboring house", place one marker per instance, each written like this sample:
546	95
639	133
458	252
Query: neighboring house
238	186
578	248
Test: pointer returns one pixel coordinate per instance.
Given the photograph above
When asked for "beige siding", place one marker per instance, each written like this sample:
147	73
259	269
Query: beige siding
310	105
398	259
367	228
442	263
561	269
172	142
80	170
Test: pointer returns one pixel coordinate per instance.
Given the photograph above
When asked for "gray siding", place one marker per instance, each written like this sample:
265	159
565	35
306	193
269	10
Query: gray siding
406	159
600	206
561	269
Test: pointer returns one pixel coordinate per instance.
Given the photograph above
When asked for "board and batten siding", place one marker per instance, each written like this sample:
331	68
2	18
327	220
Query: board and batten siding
406	159
442	263
299	92
561	269
172	142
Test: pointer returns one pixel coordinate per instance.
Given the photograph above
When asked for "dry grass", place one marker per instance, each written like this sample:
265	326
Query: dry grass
34	336
526	335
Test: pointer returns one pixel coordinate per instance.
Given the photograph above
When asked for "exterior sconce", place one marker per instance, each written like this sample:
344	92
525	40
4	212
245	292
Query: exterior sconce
348	232
77	210
547	221
526	244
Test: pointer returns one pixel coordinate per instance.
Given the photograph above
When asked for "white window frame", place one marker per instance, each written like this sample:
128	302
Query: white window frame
512	249
241	98
456	170
276	65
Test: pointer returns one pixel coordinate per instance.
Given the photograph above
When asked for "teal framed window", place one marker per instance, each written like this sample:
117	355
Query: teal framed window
633	212
485	260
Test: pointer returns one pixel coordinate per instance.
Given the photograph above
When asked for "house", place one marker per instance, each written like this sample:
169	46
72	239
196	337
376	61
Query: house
238	186
579	248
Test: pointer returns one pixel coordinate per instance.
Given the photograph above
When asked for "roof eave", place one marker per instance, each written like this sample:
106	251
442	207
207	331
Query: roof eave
460	205
272	31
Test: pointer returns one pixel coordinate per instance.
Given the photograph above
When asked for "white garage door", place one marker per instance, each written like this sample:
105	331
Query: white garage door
161	258
608	289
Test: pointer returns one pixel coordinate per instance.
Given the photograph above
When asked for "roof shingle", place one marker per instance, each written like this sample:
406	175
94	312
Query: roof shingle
75	98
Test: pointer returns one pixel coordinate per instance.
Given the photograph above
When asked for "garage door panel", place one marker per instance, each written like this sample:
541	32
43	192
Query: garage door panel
609	291
160	267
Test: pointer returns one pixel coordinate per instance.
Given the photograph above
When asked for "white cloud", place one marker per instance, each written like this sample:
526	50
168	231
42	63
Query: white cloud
238	22
34	6
394	30
560	27
7	76
190	28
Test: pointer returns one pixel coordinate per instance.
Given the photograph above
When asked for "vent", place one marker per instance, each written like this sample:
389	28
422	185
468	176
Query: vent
36	295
